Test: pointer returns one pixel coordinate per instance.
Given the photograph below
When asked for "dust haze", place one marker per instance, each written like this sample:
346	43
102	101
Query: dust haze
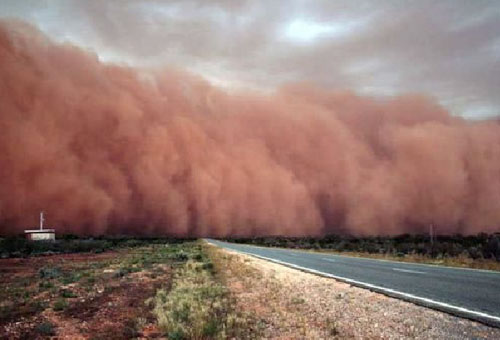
108	149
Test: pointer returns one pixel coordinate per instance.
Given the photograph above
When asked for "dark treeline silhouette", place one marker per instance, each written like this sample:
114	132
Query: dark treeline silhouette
18	246
485	246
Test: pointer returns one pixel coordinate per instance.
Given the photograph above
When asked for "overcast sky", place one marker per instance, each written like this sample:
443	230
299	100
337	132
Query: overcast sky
447	49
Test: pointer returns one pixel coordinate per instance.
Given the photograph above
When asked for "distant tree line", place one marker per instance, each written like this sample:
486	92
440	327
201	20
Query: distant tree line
18	246
486	246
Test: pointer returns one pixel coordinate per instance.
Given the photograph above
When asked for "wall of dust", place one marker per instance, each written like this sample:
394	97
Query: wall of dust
107	149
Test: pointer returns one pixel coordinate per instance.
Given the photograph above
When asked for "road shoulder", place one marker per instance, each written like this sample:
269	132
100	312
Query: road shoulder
294	304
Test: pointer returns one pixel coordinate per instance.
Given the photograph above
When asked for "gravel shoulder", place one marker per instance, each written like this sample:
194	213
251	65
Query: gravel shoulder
291	304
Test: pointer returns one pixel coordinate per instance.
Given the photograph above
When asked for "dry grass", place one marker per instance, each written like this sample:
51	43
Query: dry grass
198	306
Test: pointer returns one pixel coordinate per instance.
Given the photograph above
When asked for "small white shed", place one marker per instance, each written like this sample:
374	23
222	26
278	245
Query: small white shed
40	234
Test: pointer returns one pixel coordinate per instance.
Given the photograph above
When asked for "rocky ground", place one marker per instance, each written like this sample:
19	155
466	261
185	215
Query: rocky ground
291	304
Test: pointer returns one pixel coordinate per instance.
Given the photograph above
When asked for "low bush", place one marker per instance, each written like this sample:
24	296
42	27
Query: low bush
49	273
42	285
66	293
180	256
60	304
123	271
71	278
46	329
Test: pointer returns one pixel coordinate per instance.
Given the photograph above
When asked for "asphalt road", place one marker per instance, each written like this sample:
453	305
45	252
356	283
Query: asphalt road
474	294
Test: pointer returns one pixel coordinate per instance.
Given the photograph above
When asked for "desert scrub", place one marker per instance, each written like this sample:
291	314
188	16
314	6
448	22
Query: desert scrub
197	306
66	293
49	272
45	328
60	304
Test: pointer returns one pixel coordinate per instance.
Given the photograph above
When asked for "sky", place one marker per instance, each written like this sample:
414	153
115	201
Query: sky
449	50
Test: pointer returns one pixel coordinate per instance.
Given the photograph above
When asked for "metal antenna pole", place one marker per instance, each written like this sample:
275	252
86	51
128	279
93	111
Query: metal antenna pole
41	220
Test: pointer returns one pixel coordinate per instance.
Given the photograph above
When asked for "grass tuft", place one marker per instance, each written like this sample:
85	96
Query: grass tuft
197	306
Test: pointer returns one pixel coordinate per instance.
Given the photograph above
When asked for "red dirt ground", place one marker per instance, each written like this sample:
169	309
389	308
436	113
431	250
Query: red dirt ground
108	307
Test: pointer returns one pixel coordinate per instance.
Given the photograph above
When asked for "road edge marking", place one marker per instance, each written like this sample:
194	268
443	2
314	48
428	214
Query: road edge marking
308	251
484	318
408	271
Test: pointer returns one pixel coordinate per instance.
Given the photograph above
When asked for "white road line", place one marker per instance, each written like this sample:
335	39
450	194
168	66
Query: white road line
328	259
431	265
392	292
408	271
440	266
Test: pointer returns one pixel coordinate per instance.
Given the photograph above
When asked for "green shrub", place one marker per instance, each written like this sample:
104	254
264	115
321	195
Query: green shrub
210	328
71	278
45	285
37	306
60	304
123	271
91	280
207	266
66	293
198	257
180	256
45	328
49	273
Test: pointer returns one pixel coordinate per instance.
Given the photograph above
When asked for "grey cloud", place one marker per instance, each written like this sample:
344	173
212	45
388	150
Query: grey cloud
447	49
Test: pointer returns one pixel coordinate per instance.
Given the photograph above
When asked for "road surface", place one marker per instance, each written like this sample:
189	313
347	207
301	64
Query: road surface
474	294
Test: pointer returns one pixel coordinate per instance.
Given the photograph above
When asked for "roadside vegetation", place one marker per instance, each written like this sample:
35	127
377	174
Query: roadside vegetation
198	305
480	251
